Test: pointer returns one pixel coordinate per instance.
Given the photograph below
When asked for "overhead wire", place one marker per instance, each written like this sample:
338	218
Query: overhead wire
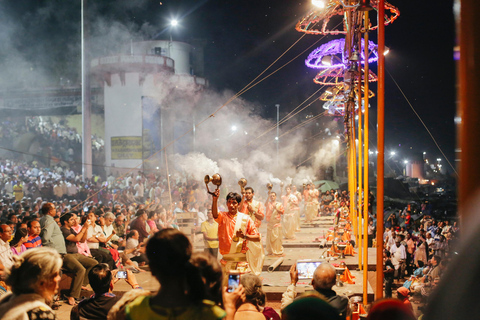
423	123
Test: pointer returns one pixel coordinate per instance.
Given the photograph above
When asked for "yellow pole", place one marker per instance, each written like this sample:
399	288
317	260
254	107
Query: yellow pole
365	169
354	179
352	188
380	145
350	180
361	249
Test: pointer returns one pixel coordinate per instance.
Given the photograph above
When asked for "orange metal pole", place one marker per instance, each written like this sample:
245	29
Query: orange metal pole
468	109
361	249
380	145
365	169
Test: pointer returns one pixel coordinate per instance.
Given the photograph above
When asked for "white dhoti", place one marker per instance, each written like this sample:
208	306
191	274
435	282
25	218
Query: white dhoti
311	211
296	213
289	225
255	256
274	239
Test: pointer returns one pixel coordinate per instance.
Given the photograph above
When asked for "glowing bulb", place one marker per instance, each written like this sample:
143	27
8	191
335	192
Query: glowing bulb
386	50
318	3
174	22
234	128
406	161
392	153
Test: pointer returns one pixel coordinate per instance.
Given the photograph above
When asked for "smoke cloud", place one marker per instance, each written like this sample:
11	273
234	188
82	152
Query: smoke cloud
41	47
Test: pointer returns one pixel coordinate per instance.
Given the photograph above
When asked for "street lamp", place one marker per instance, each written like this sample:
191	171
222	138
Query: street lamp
318	3
173	24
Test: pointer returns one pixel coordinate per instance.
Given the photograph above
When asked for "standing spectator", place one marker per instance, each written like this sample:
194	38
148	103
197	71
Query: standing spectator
209	229
399	256
371	232
18	191
139	190
388	273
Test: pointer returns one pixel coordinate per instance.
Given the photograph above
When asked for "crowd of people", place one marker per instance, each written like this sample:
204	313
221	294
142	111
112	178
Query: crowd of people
52	141
416	254
100	227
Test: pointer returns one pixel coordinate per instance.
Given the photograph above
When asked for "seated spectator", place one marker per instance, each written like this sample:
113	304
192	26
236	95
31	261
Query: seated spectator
109	230
391	309
134	249
182	291
152	221
34	281
324	278
119	226
254	301
102	280
310	308
34	240
94	237
17	244
402	295
211	273
140	224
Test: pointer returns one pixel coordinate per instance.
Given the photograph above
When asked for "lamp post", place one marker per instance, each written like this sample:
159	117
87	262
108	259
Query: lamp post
278	119
86	107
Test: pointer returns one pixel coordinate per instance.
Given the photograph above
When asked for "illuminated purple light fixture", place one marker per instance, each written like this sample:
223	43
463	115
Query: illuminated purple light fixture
331	55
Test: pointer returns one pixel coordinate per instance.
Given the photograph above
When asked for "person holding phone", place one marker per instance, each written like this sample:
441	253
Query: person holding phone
102	280
324	278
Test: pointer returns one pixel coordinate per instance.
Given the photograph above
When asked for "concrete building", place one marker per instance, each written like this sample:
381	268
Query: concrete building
143	89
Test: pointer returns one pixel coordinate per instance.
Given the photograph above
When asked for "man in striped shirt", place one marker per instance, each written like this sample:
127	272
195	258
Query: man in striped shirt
34	240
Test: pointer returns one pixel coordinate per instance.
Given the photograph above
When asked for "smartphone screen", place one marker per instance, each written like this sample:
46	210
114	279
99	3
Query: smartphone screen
233	282
307	268
121	274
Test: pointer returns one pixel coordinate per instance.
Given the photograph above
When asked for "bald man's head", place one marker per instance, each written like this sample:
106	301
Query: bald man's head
324	276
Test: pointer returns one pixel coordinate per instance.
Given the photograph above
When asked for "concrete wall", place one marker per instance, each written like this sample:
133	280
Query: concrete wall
178	51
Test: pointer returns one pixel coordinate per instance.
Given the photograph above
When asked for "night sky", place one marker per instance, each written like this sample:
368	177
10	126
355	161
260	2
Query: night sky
244	37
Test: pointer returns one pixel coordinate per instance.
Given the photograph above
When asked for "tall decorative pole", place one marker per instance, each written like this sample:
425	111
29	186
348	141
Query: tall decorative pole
380	144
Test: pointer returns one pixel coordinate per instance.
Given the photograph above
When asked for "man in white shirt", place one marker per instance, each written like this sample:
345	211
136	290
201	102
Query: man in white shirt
6	255
399	255
139	190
